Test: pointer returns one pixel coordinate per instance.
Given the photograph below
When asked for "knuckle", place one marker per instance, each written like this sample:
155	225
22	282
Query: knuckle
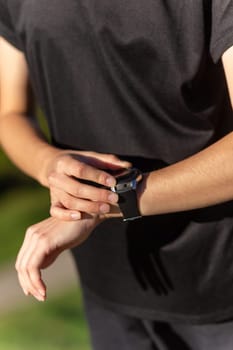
81	167
54	196
43	239
51	178
30	231
58	213
43	243
38	236
60	164
35	234
103	196
78	192
68	202
53	211
92	207
112	157
102	176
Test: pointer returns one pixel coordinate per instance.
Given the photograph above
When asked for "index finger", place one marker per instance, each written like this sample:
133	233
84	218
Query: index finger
83	171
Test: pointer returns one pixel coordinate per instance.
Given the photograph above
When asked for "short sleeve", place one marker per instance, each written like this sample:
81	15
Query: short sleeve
222	27
7	30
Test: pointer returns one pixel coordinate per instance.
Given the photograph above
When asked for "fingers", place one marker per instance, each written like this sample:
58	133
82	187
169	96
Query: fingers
32	284
29	275
64	214
42	244
71	186
81	190
31	257
106	161
69	198
73	167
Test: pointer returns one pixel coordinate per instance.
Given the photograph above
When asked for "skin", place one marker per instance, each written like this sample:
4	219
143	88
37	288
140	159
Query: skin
43	243
201	180
52	167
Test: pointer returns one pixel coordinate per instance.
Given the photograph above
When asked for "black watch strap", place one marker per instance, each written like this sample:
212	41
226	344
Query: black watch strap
128	205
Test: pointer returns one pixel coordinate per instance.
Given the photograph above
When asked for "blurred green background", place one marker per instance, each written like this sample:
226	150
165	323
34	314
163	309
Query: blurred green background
59	323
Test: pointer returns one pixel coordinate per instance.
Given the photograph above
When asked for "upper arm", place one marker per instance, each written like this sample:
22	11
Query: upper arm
227	60
15	92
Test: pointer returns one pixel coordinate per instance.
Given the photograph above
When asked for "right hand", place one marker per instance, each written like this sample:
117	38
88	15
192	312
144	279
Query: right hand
69	196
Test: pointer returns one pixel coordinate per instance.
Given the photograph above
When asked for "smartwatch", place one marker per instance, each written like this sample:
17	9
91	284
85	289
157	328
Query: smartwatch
127	181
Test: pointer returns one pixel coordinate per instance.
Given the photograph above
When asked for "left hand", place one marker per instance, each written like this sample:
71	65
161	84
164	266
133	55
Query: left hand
43	243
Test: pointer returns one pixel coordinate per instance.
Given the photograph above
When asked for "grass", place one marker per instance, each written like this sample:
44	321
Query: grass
57	324
7	168
19	208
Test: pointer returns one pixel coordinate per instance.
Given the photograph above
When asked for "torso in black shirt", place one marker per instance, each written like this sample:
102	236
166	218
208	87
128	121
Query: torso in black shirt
141	80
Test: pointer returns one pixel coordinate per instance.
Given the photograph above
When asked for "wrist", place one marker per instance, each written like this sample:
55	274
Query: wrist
91	221
141	195
127	181
46	157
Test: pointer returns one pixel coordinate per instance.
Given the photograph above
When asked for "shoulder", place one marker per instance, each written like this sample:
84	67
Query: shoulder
221	27
7	22
227	59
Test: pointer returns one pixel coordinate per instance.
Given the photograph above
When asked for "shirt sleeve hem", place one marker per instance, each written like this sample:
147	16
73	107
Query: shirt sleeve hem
221	45
10	37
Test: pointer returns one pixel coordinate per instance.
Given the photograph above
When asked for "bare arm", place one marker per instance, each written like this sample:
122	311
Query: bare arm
20	139
49	165
201	180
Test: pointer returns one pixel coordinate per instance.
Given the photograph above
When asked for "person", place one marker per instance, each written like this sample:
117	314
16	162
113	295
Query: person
128	84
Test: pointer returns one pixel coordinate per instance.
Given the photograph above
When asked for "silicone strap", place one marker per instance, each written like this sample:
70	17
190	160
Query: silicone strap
128	205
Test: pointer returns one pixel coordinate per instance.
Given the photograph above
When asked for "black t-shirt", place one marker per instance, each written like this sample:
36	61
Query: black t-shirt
142	80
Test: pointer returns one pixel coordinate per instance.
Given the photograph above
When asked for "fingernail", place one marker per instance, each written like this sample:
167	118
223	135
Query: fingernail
110	181
42	292
104	208
113	198
40	298
75	216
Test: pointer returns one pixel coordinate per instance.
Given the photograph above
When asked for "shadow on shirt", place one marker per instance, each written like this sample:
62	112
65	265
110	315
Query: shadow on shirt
147	237
144	252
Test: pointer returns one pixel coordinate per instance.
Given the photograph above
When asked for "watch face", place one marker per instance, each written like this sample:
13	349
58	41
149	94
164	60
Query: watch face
127	179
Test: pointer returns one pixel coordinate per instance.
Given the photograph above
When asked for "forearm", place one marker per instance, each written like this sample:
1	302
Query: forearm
25	145
201	180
